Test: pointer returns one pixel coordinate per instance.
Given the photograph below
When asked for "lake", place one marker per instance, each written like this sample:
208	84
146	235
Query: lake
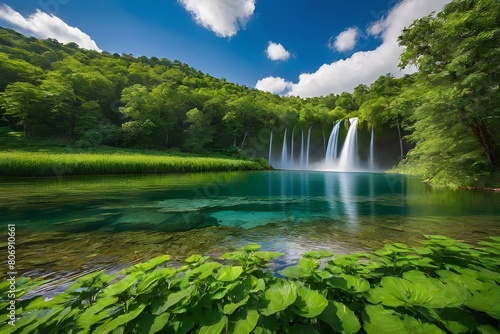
68	227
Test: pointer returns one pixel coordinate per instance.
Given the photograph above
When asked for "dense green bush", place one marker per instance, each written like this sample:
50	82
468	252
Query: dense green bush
445	287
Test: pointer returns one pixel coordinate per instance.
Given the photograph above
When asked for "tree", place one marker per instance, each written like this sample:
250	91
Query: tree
21	100
199	133
458	56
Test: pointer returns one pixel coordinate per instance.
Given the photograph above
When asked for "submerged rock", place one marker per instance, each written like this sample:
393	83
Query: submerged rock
160	221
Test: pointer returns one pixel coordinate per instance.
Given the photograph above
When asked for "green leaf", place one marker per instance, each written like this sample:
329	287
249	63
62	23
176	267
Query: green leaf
119	287
378	320
212	322
234	256
279	296
162	304
322	274
321	254
309	303
262	330
349	283
153	324
295	272
206	269
148	282
486	300
229	273
416	326
251	247
183	325
257	284
427	292
149	265
94	314
457	320
467	281
267	256
231	307
244	321
308	263
195	259
340	318
121	319
487	329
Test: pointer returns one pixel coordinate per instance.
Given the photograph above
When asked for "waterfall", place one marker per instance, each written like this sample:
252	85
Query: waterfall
308	145
370	160
292	148
331	150
302	149
270	147
284	151
347	160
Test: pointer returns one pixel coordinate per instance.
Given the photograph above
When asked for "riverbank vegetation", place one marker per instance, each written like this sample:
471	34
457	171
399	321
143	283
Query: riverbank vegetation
446	286
448	110
22	164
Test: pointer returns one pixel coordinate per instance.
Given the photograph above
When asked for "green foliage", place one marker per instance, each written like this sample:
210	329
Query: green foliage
455	97
444	287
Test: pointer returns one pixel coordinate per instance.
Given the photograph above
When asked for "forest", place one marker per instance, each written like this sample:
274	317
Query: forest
448	110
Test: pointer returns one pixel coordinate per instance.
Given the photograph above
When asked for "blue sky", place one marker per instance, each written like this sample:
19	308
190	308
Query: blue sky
295	47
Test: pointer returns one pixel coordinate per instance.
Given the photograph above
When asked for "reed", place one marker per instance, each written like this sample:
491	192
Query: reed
22	164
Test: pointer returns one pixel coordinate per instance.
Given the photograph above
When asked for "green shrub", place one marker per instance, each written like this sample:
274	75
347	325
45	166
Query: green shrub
445	287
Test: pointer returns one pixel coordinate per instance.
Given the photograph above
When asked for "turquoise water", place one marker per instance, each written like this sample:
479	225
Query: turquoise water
70	226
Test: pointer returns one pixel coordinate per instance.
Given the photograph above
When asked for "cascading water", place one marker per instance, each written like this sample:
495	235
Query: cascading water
331	150
371	163
284	152
308	145
270	148
302	149
336	158
348	156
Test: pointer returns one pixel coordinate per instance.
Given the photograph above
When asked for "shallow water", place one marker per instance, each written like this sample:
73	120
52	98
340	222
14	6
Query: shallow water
71	226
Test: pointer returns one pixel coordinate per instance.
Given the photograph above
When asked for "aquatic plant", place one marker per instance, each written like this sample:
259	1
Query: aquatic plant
446	286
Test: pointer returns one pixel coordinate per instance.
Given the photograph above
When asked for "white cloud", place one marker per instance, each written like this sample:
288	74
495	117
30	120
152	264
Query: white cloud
223	17
273	84
365	67
276	51
345	41
43	25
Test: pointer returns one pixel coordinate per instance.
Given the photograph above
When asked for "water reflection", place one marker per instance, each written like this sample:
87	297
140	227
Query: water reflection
79	224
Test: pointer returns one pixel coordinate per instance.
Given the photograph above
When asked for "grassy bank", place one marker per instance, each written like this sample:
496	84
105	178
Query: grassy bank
24	164
444	287
25	157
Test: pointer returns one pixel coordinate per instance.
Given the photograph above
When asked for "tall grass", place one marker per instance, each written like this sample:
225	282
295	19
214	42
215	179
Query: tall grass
21	164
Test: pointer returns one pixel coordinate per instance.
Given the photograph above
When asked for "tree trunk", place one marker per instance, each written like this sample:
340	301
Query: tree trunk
400	139
244	137
490	148
480	130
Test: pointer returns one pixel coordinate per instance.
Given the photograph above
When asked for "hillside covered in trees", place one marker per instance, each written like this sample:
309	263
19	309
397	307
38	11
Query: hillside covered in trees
449	109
